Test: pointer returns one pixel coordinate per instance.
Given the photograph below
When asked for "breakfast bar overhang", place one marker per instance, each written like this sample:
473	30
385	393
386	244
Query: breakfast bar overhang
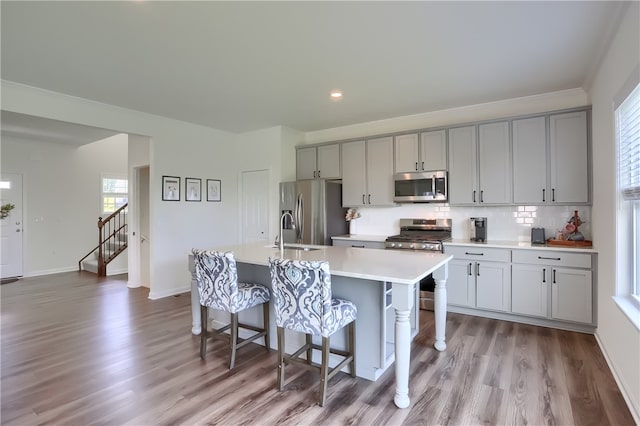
376	281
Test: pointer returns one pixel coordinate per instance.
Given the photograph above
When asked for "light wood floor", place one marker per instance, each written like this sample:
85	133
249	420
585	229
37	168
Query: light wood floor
77	349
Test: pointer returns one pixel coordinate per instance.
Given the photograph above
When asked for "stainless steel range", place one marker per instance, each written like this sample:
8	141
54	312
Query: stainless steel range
420	234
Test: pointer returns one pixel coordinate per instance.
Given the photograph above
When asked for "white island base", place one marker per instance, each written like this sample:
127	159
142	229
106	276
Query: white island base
377	281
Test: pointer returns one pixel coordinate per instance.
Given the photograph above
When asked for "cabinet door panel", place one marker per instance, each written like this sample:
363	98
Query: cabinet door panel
433	150
406	150
569	158
305	163
329	161
462	165
530	161
380	171
461	284
494	163
353	173
530	290
493	286
571	298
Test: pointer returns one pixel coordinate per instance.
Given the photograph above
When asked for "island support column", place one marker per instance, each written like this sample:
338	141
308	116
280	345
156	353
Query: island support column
440	305
402	299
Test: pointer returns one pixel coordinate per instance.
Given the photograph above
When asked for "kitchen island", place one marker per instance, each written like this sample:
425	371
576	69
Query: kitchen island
377	281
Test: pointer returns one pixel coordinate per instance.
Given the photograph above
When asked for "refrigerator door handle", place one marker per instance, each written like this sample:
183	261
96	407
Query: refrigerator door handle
299	214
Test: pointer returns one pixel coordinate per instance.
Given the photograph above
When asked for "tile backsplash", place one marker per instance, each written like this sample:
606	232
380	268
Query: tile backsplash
512	223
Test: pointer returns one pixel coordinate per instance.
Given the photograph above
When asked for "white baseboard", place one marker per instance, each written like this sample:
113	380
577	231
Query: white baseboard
159	294
635	410
50	271
117	271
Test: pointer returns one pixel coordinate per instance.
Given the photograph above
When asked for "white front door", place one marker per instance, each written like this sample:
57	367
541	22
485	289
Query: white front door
255	206
11	228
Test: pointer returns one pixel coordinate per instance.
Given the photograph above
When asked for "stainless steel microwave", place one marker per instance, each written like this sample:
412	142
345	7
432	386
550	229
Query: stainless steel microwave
420	187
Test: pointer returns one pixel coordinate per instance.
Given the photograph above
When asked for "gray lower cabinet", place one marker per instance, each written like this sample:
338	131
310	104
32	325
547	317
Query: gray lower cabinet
546	287
479	278
556	285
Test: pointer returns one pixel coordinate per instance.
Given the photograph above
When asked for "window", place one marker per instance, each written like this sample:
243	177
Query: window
114	193
627	116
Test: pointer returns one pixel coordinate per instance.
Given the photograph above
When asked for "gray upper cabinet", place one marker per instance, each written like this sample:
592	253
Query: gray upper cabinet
480	168
494	163
433	150
553	170
463	160
322	162
530	161
569	158
418	153
367	175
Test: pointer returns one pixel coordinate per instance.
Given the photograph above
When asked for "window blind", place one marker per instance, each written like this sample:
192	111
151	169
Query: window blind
628	130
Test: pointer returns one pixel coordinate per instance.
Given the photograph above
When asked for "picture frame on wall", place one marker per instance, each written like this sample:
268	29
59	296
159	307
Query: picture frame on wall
170	188
214	190
192	189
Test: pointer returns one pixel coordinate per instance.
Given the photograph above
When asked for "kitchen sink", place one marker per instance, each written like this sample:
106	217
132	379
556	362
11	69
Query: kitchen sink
295	247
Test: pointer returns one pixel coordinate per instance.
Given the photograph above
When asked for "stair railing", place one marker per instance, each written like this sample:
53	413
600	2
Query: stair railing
110	243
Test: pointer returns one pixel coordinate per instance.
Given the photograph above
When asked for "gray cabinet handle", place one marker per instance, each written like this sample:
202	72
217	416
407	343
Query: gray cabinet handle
544	275
423	165
473	254
554	276
318	174
474	195
369	198
553	195
353	245
477	269
416	166
482	196
470	265
314	174
549	258
543	190
363	202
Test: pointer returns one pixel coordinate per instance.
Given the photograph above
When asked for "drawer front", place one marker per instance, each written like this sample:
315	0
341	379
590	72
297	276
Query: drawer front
359	244
553	258
479	253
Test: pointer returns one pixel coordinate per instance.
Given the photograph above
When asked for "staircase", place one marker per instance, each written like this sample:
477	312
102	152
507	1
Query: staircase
112	240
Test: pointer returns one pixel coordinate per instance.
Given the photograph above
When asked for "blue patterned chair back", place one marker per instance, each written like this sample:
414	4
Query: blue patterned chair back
217	278
302	291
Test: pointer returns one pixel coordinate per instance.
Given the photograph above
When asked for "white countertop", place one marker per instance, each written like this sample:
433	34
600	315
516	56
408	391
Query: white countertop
518	245
379	265
361	237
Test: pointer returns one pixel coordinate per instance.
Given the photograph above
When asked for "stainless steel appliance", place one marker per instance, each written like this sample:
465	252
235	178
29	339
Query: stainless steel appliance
422	235
478	229
420	187
316	208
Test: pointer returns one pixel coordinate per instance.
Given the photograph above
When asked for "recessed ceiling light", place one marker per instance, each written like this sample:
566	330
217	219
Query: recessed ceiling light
336	95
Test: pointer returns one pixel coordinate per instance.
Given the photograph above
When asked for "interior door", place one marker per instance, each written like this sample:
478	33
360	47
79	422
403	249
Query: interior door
255	206
11	228
143	218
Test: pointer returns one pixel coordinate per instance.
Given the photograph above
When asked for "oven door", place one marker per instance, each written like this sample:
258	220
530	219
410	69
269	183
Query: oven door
420	187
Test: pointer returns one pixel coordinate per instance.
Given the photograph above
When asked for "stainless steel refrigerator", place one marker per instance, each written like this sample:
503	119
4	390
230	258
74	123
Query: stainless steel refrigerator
316	206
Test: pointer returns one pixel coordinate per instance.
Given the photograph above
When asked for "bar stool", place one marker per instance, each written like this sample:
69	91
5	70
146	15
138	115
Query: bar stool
303	303
218	288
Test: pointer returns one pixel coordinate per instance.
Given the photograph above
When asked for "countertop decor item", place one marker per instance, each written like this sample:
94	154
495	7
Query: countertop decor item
571	237
5	209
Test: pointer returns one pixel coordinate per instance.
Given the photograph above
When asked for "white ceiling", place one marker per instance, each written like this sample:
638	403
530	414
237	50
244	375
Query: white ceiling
241	66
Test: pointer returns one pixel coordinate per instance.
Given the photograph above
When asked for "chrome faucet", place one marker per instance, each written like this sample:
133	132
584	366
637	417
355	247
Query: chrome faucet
282	227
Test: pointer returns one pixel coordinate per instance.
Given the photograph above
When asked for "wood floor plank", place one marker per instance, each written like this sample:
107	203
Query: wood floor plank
78	349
